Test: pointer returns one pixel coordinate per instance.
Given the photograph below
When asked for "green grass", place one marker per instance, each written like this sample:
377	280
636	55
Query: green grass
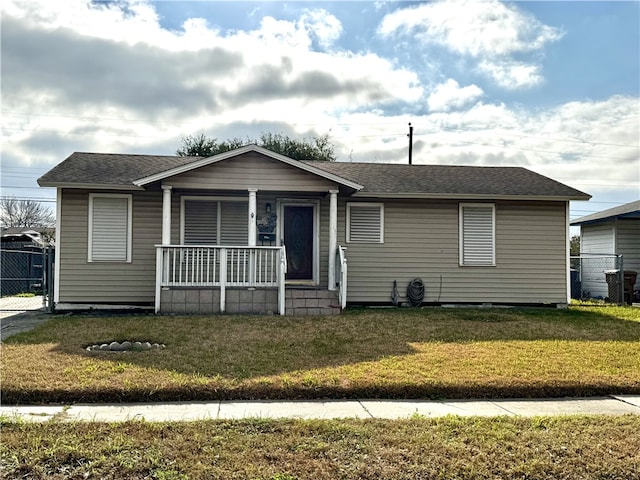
597	447
384	353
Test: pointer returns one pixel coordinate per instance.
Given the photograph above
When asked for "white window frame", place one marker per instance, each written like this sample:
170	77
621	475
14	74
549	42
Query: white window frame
205	198
380	206
129	198
462	206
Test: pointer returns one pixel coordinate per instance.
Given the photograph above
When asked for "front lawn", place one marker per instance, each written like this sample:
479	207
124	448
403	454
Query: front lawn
382	353
598	447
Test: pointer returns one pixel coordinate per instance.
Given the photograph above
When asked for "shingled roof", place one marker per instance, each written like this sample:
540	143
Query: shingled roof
108	169
383	179
377	179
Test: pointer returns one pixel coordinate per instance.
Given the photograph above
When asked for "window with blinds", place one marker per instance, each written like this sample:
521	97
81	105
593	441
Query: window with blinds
207	221
200	222
477	234
365	222
109	228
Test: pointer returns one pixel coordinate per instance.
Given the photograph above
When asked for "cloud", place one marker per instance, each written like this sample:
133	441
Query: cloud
86	58
449	95
97	77
77	71
489	32
322	25
592	145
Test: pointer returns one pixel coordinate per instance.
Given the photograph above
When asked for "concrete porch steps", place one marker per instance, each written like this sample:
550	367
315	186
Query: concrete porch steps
311	301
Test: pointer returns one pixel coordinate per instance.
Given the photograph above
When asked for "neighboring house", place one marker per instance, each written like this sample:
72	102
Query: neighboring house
615	231
36	236
206	235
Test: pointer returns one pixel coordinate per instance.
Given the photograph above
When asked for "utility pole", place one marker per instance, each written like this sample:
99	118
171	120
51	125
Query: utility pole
410	142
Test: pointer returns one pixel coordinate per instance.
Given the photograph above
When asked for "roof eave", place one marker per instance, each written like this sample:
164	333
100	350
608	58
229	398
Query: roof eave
468	196
240	151
588	221
92	186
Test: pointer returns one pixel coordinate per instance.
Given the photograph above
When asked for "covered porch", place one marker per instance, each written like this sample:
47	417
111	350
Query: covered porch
277	269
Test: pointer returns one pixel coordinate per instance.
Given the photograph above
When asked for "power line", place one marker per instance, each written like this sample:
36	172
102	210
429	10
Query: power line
36	199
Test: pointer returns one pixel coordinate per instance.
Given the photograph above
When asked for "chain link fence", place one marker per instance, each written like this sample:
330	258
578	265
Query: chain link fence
598	277
24	275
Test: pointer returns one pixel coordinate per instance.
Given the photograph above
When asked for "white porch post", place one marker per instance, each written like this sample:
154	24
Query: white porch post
162	263
253	232
252	217
333	236
166	215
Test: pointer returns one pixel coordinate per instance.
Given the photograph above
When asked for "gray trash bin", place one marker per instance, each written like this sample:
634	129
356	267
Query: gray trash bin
613	281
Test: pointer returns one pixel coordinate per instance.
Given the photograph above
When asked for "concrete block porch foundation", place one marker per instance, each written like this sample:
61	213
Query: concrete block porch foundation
262	301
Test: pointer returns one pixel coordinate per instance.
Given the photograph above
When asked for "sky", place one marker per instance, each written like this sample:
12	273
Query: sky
550	86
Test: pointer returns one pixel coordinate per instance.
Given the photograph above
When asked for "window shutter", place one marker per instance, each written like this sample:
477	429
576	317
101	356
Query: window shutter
478	244
365	223
200	222
110	229
234	229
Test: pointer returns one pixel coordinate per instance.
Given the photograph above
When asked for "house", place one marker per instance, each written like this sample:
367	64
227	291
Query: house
615	231
253	231
33	236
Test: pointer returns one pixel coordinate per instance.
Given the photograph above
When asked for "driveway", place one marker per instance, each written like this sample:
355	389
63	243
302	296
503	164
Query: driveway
19	314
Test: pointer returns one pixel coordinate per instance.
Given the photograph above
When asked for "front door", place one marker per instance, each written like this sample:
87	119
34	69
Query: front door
298	241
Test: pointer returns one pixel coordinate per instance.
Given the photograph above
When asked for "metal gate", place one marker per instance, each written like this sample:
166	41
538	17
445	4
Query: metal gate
26	278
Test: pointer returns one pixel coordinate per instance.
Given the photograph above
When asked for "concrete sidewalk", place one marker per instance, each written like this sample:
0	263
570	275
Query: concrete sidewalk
322	409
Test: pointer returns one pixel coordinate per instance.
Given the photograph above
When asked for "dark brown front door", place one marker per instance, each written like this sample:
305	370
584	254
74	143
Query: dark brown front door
298	240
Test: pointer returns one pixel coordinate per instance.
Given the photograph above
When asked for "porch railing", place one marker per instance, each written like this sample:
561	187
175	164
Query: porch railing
341	275
221	266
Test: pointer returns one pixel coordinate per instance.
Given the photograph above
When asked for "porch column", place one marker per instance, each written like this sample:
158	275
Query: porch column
333	236
166	215
252	217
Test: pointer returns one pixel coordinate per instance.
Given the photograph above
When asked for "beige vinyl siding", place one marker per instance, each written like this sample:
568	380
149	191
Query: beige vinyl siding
421	240
251	170
108	282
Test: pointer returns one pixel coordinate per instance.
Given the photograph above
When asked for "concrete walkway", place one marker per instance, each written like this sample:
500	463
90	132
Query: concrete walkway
386	409
12	322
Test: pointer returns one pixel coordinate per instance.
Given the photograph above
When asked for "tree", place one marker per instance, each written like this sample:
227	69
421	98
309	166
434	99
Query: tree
574	245
317	148
203	146
25	213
